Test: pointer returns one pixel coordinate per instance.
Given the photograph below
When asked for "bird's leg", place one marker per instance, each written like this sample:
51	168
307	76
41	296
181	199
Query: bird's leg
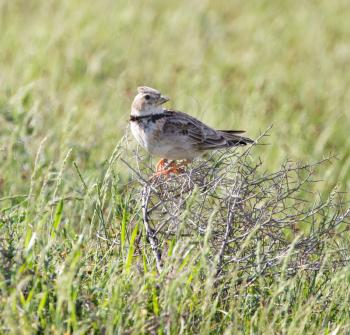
165	168
160	165
174	168
170	168
178	168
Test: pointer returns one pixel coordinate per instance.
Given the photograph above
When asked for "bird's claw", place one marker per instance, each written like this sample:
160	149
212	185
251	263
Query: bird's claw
163	168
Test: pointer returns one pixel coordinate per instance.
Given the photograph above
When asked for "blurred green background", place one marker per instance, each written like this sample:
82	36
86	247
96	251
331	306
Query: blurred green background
69	71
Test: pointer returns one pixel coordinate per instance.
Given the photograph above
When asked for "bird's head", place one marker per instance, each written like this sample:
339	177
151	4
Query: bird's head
148	101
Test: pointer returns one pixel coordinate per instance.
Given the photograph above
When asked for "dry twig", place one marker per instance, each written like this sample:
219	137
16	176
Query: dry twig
263	220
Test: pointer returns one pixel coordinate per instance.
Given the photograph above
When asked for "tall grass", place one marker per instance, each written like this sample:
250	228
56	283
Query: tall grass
70	259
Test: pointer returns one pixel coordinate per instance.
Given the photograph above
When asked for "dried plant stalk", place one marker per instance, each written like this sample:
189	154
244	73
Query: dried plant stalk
262	220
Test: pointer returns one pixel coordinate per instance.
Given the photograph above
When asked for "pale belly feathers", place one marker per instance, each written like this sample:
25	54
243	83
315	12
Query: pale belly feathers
149	137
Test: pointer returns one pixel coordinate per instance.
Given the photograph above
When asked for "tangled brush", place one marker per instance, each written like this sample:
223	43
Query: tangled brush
247	220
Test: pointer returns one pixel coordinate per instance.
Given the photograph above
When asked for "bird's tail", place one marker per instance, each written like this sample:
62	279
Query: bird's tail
233	131
233	139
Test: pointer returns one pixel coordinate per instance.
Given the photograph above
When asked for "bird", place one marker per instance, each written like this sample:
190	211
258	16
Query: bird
172	135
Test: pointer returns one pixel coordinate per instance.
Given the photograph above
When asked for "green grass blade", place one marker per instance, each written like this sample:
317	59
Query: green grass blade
57	218
131	249
123	229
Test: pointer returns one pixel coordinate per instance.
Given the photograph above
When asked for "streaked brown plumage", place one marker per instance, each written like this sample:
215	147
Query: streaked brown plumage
175	135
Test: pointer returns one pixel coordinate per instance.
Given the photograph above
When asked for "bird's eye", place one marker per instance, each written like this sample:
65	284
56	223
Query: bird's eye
147	97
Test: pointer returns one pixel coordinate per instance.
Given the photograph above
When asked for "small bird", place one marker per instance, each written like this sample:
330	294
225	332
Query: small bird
174	135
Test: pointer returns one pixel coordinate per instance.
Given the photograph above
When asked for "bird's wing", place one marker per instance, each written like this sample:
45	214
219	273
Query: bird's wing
201	136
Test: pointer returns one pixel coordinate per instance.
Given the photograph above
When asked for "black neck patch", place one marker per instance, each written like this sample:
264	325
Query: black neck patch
151	117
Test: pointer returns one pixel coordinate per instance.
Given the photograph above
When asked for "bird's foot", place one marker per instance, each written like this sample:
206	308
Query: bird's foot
163	168
161	165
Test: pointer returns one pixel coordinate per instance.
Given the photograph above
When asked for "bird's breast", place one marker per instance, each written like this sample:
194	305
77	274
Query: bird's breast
147	132
151	135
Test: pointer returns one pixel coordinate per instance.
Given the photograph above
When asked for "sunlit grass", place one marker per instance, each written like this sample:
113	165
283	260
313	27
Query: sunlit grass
68	73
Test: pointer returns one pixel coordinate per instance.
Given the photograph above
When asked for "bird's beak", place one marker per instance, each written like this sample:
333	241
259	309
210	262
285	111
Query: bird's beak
163	99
